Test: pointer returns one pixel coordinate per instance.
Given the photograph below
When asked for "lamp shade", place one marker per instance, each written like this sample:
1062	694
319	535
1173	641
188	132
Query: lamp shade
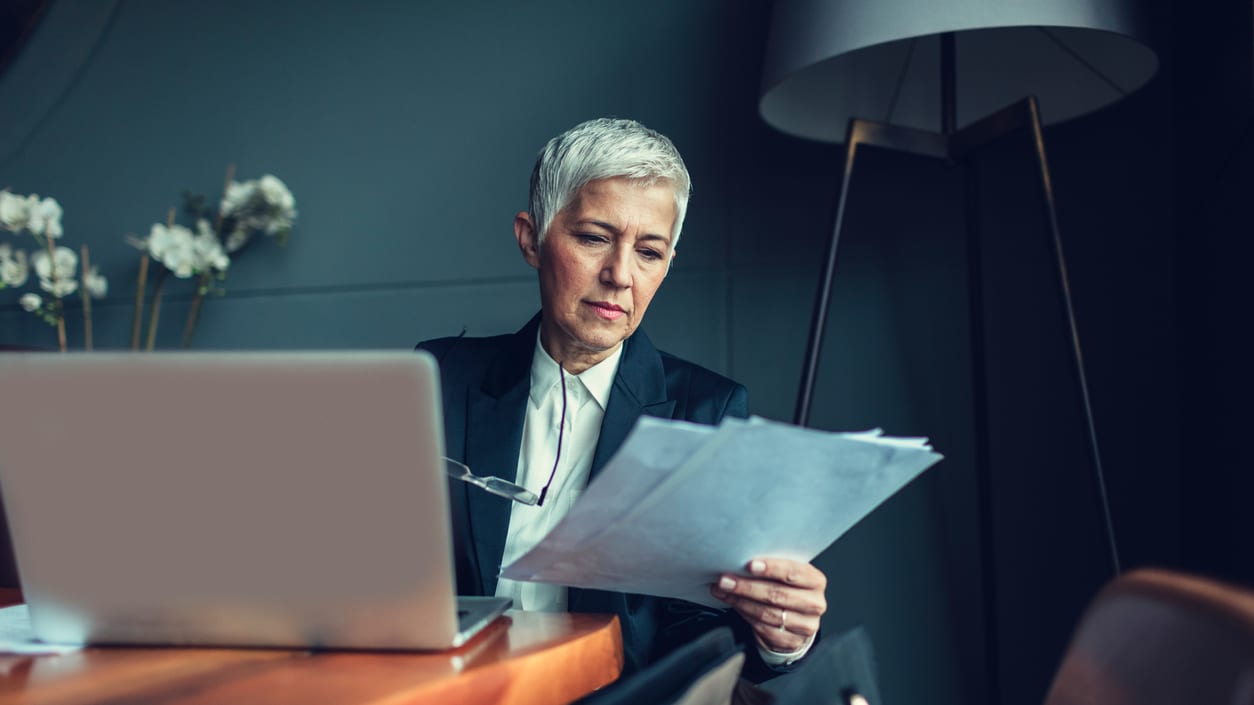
831	60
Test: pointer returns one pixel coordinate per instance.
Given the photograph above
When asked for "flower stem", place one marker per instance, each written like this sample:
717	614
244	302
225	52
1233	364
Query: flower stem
202	282
155	314
156	310
61	326
226	185
86	266
140	283
52	262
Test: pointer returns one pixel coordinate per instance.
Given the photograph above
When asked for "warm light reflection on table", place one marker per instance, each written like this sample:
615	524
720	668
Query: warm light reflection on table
523	658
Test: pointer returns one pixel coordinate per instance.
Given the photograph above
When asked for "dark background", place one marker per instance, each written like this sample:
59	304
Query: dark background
407	131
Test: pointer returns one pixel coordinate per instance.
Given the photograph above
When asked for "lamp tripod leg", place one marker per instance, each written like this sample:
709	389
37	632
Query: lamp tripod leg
1064	283
814	347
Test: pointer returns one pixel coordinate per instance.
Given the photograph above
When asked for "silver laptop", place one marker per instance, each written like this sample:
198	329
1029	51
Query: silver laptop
232	499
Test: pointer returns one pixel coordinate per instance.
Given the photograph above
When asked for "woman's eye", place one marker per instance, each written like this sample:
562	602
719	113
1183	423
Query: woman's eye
650	254
589	238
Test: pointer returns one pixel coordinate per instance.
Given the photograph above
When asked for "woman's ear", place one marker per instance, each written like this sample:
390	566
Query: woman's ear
528	241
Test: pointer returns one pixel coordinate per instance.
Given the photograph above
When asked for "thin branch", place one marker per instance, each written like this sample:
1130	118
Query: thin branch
56	279
61	325
193	315
155	314
86	300
202	282
230	176
140	283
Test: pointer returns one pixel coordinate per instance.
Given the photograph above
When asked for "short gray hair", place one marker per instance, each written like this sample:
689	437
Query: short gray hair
604	148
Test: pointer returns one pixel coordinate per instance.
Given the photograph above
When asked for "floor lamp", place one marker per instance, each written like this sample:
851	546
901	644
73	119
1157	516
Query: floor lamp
933	78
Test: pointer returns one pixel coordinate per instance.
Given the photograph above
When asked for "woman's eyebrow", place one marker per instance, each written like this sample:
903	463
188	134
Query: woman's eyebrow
614	229
599	223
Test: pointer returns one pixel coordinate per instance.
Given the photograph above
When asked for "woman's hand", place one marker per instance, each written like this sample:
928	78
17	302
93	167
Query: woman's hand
781	599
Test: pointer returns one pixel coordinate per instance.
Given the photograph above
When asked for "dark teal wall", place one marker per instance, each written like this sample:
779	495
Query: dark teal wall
1214	179
407	131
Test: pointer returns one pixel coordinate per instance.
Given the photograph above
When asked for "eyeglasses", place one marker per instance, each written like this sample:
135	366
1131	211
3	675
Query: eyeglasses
505	488
495	485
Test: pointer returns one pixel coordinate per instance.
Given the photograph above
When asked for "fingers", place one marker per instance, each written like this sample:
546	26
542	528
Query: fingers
782	600
798	613
766	600
789	572
781	641
778	629
783	584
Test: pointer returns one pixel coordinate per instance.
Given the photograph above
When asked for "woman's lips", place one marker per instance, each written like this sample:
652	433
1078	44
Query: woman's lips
606	310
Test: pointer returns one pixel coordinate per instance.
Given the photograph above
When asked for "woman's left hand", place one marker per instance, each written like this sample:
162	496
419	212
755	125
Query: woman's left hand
781	599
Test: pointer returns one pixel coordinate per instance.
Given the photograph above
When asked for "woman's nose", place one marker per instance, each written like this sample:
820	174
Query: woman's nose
616	270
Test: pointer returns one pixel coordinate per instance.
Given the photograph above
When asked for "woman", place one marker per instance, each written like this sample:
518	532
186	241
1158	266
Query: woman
547	406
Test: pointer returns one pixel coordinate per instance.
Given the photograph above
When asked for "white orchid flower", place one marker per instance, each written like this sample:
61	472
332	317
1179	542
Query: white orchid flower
44	216
276	192
14	212
60	288
209	252
238	238
237	195
162	239
56	272
280	222
31	302
14	269
174	247
60	265
281	205
265	205
96	284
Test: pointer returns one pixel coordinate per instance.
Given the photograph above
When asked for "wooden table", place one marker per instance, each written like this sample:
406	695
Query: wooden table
524	658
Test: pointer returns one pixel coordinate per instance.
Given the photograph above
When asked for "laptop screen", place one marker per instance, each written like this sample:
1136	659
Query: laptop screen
229	498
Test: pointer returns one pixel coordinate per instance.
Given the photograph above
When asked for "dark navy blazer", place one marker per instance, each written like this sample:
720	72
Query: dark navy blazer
485	384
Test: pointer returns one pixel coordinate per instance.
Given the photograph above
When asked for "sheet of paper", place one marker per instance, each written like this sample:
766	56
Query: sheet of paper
680	503
17	636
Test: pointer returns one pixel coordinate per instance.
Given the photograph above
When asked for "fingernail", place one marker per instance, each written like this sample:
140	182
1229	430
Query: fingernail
726	583
757	567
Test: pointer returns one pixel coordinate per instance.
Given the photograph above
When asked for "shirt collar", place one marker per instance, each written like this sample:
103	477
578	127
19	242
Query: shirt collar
598	379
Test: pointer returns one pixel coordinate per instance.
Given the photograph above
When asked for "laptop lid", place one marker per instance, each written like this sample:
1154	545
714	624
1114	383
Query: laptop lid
244	499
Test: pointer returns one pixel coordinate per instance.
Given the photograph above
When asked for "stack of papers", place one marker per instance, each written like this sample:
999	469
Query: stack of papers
682	503
18	637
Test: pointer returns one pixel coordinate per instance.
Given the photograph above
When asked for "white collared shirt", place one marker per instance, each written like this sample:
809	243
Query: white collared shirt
587	397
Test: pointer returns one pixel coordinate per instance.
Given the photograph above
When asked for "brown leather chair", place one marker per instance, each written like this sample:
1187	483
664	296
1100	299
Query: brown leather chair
1155	637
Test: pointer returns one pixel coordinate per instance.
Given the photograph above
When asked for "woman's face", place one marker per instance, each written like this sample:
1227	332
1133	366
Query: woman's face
604	256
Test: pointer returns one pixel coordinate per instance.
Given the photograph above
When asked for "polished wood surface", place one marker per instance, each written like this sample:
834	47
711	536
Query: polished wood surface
9	596
524	658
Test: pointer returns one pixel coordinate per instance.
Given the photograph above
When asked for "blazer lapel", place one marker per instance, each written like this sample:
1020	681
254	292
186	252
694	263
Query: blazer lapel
493	439
639	389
